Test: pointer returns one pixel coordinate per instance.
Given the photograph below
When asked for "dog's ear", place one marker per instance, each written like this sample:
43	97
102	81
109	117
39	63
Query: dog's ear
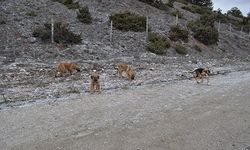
92	77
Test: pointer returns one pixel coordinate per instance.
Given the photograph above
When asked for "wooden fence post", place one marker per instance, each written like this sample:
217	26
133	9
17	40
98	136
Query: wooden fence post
219	27
147	29
230	28
52	30
241	30
176	19
111	31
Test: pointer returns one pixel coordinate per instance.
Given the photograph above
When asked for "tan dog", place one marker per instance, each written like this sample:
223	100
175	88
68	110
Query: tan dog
63	67
202	73
95	82
124	68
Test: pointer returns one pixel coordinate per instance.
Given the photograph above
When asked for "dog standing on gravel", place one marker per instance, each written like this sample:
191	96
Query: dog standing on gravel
95	82
63	67
124	68
201	73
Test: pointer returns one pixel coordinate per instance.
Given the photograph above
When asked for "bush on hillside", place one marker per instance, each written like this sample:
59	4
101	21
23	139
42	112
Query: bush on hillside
84	15
31	13
180	49
204	30
177	33
128	21
207	20
207	35
158	44
61	34
197	48
157	4
235	12
2	19
183	2
69	3
171	3
197	9
177	12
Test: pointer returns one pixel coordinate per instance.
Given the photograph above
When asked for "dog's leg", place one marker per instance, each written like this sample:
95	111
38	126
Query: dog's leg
92	87
202	78
196	78
207	80
98	87
119	72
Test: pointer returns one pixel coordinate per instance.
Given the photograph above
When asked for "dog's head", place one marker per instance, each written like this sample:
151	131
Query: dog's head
95	76
131	73
76	67
132	76
206	70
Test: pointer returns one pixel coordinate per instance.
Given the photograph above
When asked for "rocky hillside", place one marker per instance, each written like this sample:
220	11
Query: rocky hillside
28	64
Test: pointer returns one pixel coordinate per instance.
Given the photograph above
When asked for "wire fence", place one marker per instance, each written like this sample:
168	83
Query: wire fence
222	28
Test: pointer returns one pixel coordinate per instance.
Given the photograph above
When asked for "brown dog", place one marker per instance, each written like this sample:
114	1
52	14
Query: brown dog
124	68
202	73
63	67
95	82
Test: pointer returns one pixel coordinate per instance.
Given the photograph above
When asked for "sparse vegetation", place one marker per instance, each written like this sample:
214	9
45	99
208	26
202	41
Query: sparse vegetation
235	12
197	48
69	3
128	21
61	33
197	9
177	33
180	49
84	16
158	4
171	3
2	19
73	90
183	2
204	30
158	44
31	13
177	12
203	3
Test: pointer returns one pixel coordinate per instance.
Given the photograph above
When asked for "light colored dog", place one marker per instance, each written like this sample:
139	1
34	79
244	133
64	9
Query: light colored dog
63	67
124	68
95	82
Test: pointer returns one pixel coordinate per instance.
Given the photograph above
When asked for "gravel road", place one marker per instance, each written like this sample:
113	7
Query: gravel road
176	116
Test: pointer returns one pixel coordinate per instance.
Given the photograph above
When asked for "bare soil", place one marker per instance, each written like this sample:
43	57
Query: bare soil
180	115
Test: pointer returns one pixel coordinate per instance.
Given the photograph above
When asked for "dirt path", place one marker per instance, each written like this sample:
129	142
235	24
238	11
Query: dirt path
177	116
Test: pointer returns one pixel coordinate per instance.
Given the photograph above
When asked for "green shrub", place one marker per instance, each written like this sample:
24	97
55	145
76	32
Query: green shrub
207	35
2	19
84	16
128	21
69	3
197	9
197	48
171	3
177	33
158	44
187	8
204	30
207	20
31	13
177	12
183	2
157	4
180	49
61	34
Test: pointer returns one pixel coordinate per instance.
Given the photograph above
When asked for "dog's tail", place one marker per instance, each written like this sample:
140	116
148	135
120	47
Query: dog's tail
191	71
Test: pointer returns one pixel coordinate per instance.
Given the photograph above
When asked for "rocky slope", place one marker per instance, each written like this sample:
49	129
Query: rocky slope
28	65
